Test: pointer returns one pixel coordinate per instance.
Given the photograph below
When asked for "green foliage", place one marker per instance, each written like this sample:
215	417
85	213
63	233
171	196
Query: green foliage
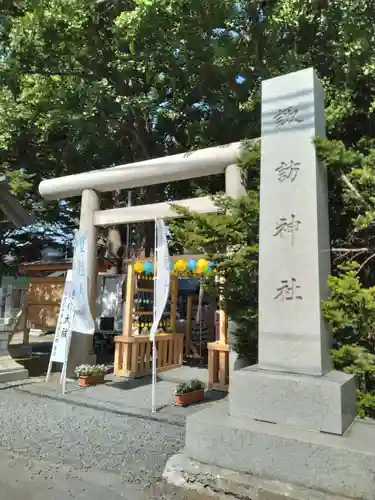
88	84
359	361
350	310
196	384
351	307
366	404
191	386
182	388
351	313
235	227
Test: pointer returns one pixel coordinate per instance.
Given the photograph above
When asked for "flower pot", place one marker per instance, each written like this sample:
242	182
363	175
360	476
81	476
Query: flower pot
189	398
86	380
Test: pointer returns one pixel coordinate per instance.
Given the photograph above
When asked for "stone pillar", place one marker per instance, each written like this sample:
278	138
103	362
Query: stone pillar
294	245
89	205
10	371
235	188
81	345
293	383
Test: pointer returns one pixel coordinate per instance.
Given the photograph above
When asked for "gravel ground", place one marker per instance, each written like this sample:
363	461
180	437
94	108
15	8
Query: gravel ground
74	452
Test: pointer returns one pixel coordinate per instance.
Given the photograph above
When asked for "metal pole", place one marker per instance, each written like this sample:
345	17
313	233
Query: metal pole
199	318
153	395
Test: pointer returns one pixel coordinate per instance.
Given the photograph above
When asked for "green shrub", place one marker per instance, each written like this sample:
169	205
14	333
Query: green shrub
351	308
365	404
351	313
357	360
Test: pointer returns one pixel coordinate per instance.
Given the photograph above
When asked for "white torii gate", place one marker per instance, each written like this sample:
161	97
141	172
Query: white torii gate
205	162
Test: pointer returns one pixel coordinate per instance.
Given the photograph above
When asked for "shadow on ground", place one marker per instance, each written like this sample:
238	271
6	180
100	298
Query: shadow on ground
34	357
36	364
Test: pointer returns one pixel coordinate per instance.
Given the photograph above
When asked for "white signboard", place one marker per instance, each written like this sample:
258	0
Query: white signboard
61	342
83	321
162	281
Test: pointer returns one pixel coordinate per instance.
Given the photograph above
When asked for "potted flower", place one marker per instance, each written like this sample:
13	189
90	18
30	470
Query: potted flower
188	393
90	374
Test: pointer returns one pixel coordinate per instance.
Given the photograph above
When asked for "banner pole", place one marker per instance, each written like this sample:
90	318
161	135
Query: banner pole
153	383
49	369
63	380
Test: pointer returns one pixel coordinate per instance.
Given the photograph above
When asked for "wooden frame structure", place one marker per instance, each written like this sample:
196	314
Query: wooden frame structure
88	185
42	268
133	356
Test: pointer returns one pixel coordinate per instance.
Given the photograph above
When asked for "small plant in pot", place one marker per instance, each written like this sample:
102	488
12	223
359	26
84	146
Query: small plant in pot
188	393
90	374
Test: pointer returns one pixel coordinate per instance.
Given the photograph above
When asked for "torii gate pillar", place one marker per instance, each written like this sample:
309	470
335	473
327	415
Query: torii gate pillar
81	344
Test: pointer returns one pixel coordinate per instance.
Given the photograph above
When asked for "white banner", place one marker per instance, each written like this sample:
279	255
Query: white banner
162	278
63	331
83	321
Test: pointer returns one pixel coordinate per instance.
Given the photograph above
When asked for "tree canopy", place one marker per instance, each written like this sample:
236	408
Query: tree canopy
88	84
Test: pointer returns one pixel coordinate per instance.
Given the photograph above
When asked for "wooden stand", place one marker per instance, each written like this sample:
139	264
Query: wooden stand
218	353
133	356
190	349
218	366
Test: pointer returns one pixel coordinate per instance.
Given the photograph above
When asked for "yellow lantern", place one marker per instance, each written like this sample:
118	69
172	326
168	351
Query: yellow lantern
202	265
180	265
138	267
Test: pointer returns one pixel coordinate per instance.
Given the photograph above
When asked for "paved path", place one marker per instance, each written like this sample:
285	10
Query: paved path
22	479
92	444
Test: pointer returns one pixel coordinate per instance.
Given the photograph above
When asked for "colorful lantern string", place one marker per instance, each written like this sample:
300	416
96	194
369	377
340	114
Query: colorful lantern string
180	265
202	265
138	267
148	268
192	267
192	264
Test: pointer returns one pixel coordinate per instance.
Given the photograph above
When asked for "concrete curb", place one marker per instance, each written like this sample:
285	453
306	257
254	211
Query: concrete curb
225	484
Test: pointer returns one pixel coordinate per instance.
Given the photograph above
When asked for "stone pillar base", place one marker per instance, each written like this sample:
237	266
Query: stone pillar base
10	371
325	464
325	404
